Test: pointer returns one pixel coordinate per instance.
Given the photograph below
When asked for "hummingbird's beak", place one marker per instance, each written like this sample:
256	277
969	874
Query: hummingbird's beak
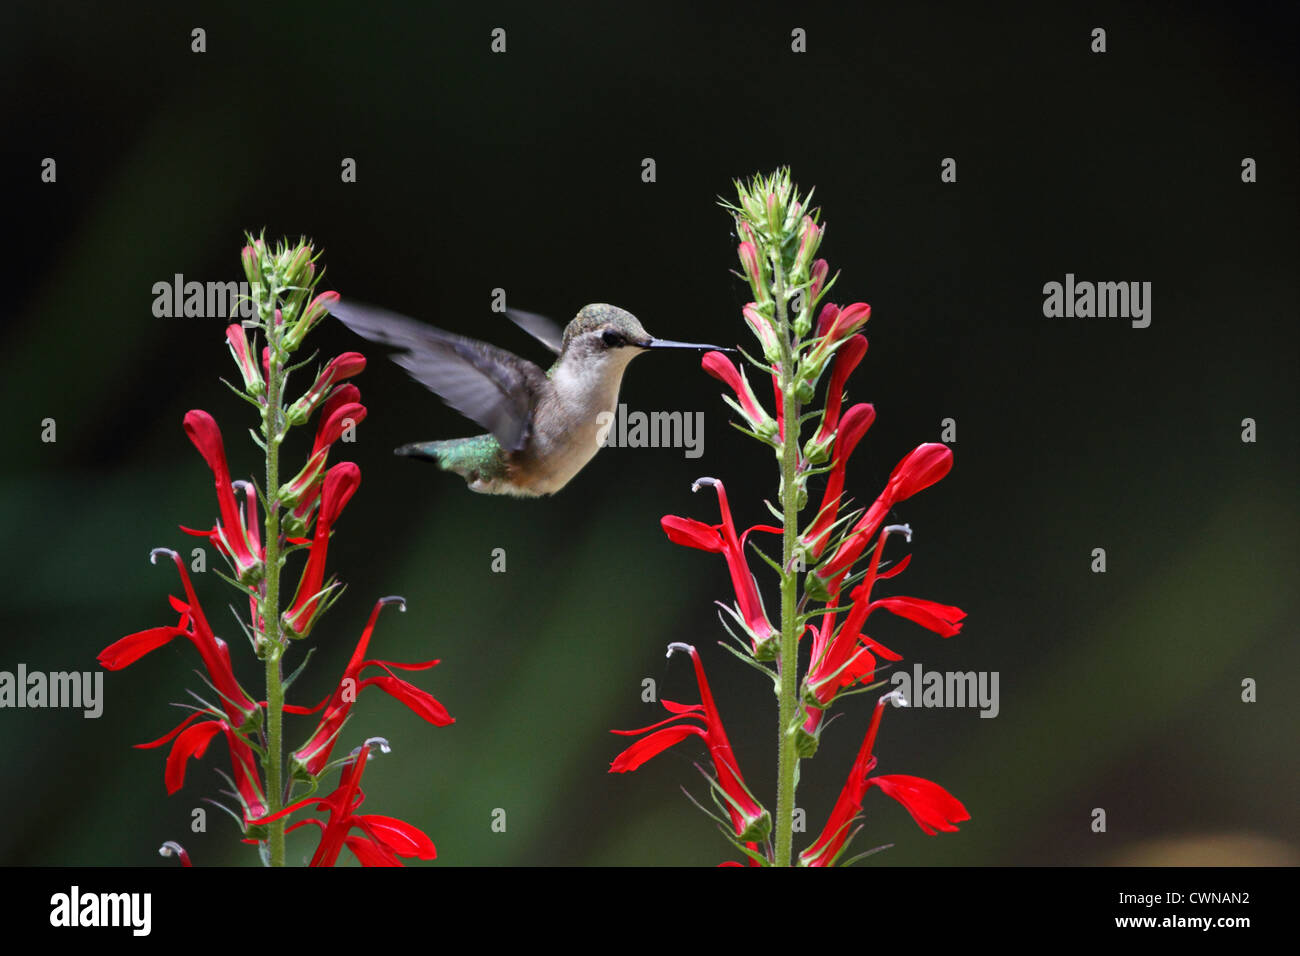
669	344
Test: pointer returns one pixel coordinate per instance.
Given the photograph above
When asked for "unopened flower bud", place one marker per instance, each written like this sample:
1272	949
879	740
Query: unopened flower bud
238	343
317	310
765	332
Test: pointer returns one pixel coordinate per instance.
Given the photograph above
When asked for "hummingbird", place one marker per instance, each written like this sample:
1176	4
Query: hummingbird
543	427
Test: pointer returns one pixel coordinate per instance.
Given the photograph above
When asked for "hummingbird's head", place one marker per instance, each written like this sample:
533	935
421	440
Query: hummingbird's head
602	334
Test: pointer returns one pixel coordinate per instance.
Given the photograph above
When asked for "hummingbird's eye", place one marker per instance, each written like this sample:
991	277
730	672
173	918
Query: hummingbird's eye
611	338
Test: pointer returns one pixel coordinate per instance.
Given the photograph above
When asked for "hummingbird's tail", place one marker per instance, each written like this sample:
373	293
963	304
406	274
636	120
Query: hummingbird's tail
474	459
425	450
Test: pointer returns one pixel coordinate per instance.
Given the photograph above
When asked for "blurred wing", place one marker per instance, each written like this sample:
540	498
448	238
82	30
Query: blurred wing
490	385
545	330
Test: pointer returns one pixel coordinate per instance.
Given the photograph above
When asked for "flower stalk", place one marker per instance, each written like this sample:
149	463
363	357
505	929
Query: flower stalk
283	280
779	236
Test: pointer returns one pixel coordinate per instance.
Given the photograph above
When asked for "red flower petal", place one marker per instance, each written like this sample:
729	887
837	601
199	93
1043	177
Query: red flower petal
691	533
943	619
400	837
421	702
192	743
652	746
131	648
931	806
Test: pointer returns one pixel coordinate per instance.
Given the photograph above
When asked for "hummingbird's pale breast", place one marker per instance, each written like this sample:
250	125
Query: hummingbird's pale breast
568	421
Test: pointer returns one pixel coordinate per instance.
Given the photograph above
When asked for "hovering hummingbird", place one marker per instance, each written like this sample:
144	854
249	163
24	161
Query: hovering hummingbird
543	426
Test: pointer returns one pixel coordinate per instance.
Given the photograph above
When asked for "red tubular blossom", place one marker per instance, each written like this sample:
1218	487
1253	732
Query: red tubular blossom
339	368
722	368
192	741
921	468
340	484
856	422
383	839
229	535
749	820
315	753
193	625
722	538
931	806
843	363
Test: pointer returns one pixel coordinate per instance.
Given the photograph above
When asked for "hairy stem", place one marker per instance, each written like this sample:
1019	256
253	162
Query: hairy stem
273	433
787	699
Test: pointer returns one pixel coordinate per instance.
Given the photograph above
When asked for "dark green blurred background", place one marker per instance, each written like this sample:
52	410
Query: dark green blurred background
522	171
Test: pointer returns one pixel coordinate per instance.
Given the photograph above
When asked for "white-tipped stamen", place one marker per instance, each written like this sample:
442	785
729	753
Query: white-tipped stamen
153	555
679	646
900	529
896	696
711	482
394	599
379	743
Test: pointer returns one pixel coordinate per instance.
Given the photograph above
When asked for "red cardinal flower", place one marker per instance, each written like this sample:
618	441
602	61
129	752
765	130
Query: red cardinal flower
341	410
749	820
931	806
846	359
315	753
191	740
382	839
722	538
844	657
340	484
340	367
721	368
848	433
921	468
194	625
229	534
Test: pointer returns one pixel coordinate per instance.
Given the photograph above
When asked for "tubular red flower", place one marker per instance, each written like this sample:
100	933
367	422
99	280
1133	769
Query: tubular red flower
856	421
921	468
849	803
748	818
384	839
339	368
192	741
931	806
694	534
721	368
843	363
193	625
315	753
340	484
229	534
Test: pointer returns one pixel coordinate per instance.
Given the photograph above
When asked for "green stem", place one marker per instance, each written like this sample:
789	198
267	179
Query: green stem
787	699
273	433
